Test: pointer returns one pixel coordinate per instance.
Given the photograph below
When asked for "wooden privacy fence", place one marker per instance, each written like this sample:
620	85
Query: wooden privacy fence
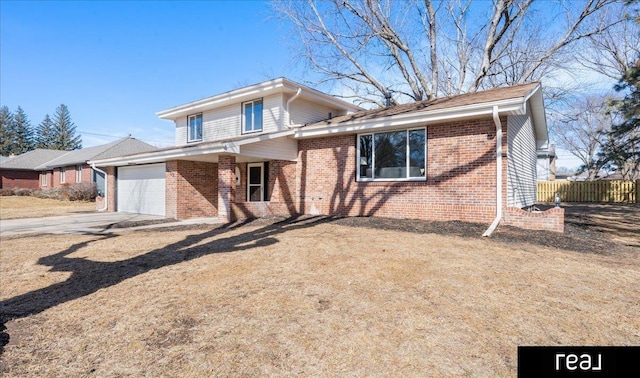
590	191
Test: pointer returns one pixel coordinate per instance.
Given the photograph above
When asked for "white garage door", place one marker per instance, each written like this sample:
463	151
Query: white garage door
141	189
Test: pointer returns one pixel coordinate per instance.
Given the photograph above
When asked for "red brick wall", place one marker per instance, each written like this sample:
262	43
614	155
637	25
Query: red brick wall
191	189
281	192
549	220
20	179
460	181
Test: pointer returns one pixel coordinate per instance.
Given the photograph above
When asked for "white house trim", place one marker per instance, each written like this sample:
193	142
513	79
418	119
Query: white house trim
231	146
513	106
280	85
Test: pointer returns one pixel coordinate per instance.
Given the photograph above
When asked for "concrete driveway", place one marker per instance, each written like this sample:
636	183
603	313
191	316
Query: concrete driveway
93	222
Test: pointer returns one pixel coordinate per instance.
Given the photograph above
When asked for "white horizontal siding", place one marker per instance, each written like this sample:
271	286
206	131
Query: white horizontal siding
226	122
303	111
277	149
521	161
272	111
222	123
181	132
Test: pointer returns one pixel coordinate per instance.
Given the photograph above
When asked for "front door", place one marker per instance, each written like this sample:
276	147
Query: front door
255	182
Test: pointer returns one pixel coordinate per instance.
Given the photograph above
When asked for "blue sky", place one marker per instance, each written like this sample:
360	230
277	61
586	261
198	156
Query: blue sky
115	64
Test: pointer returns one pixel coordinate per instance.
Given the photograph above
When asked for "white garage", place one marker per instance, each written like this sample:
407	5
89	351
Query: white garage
141	189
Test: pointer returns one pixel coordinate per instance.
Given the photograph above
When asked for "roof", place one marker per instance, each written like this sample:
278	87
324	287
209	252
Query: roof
279	85
508	100
31	160
124	146
462	100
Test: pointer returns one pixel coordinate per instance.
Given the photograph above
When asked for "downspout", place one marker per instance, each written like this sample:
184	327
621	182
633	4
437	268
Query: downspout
106	186
496	221
289	101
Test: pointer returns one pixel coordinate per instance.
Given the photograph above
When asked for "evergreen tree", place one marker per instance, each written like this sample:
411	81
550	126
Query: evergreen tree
64	131
622	150
45	133
22	133
6	131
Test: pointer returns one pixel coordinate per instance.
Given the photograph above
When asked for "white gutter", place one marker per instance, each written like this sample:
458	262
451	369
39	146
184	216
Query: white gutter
106	186
289	101
496	221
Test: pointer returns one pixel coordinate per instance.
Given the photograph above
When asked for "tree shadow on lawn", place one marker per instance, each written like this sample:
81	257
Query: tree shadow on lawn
88	276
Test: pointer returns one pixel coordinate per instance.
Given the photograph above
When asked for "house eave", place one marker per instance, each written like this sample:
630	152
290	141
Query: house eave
227	147
510	107
280	85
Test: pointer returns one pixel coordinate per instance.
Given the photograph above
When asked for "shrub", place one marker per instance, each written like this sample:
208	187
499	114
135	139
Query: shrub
55	193
6	192
82	192
22	192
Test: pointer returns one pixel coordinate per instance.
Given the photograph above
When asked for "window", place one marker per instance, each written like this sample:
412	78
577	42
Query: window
63	174
43	178
78	173
394	155
195	128
252	116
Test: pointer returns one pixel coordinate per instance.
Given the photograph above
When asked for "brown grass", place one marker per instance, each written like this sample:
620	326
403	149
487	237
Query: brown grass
14	207
330	298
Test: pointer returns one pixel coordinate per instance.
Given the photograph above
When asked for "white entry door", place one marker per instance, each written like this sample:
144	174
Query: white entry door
141	189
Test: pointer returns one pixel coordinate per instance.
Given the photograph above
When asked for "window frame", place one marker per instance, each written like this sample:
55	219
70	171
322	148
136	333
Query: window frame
78	173
43	178
244	117
359	178
191	138
63	175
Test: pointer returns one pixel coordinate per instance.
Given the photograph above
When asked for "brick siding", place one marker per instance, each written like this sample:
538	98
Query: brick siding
191	189
15	179
460	182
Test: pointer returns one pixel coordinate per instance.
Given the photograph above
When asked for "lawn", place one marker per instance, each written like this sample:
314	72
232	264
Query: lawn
310	297
14	207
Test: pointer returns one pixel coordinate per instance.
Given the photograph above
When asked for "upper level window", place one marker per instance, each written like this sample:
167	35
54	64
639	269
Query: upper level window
394	155
252	116
195	127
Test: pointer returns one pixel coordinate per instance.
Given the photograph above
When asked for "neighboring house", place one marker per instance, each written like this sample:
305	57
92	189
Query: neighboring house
281	148
20	171
546	166
72	167
46	169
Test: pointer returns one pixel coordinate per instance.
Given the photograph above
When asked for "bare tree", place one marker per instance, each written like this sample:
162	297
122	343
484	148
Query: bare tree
423	49
612	52
582	131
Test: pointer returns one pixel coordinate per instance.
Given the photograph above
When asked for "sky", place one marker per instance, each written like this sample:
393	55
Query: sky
116	63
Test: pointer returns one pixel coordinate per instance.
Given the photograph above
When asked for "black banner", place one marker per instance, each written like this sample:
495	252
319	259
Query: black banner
578	361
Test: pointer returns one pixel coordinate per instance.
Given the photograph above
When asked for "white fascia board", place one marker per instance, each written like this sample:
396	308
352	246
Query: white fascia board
280	85
223	147
510	106
212	102
539	117
162	156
